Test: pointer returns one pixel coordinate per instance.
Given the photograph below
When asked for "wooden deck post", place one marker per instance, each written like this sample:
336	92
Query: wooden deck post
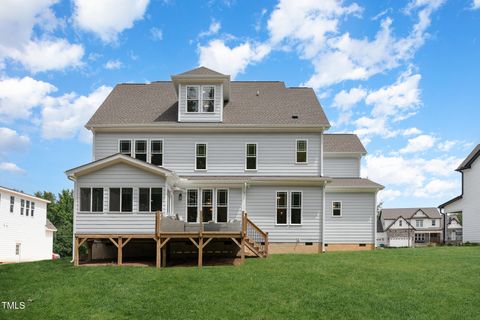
159	254
76	261
164	256
242	249
120	251
200	251
266	244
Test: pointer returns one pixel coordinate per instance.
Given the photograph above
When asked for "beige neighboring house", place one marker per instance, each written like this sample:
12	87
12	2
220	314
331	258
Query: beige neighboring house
409	227
454	230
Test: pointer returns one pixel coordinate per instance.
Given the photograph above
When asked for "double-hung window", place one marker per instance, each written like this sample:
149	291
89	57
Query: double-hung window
200	156
400	223
156	152
22	206
200	98
301	154
282	207
434	223
207	205
91	199
222	205
419	223
125	147
32	211
121	199
296	208
150	199
336	208
141	150
251	156
12	203
27	209
192	205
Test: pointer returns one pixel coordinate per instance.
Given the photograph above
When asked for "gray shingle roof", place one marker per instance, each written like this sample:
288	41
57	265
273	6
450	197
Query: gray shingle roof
407	213
201	71
156	104
342	142
49	225
354	183
467	163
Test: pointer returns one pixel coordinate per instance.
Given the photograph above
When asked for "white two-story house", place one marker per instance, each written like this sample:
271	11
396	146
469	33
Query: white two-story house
408	227
204	149
468	203
25	232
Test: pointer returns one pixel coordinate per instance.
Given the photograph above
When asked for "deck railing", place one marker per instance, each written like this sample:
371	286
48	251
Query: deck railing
256	238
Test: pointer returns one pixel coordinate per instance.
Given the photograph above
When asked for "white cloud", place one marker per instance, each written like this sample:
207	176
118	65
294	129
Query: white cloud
476	4
113	64
436	188
212	29
419	144
156	33
218	56
411	132
447	145
389	194
64	117
10	141
45	55
10	167
108	18
18	96
345	101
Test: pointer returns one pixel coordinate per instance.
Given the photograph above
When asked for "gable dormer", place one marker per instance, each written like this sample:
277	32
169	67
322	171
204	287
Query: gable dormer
419	214
201	95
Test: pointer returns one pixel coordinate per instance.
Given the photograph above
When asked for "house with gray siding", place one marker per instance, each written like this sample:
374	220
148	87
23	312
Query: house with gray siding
468	203
203	149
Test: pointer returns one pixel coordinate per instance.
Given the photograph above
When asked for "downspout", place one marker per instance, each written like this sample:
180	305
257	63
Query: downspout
74	216
375	221
323	217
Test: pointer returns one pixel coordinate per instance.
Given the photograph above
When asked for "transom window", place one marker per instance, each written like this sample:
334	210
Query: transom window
125	147
251	156
207	205
12	203
222	205
192	205
121	199
141	150
200	156
150	199
156	152
301	156
200	98
336	208
91	200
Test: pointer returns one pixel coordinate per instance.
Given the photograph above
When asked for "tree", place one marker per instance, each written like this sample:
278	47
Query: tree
60	213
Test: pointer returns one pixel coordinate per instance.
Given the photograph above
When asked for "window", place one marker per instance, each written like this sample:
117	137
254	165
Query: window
91	199
141	150
22	206
200	156
192	205
222	205
150	199
121	199
27	209
33	209
282	207
17	249
301	151
434	223
156	152
251	156
336	209
12	203
400	223
206	100
419	223
208	96
207	205
296	208
126	147
420	237
192	99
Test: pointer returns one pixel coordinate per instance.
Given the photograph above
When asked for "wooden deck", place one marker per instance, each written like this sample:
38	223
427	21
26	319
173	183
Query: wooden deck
250	236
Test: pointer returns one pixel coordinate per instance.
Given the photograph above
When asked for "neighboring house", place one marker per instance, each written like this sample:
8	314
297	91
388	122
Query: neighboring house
468	203
408	227
25	232
453	230
204	146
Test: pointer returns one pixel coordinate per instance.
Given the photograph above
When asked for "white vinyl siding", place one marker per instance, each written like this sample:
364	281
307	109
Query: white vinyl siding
226	152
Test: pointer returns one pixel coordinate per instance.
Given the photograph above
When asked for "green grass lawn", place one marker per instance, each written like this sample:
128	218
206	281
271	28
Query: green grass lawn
428	283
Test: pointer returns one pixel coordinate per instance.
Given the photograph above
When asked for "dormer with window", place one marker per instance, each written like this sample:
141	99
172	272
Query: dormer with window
201	95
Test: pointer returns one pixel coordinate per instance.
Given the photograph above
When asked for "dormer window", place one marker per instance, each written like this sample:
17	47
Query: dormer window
203	102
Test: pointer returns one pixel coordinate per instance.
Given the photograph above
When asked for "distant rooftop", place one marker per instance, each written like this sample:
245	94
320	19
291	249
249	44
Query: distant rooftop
343	142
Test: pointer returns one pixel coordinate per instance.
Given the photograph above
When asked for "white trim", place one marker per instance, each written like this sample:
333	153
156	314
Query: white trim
212	206
200	98
20	194
186	205
321	154
216	204
286	207
149	199
341	209
301	208
149	151
206	157
91	200
306	152
256	156
323	217
131	146
134	149
121	198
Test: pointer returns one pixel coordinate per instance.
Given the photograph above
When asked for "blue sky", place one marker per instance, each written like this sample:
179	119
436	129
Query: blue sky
402	75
